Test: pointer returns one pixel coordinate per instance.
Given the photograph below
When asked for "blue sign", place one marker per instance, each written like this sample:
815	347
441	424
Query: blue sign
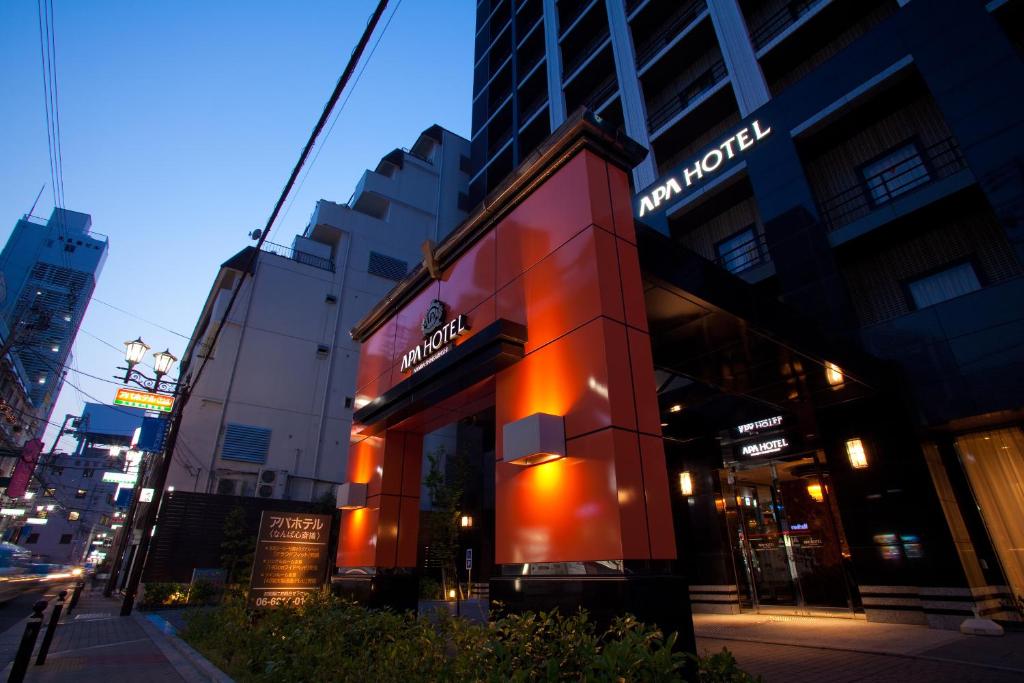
153	434
124	498
469	558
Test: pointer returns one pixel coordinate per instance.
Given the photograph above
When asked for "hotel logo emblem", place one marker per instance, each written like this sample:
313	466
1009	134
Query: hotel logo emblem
434	317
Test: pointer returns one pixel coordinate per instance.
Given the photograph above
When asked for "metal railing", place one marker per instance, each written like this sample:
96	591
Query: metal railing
934	162
778	22
668	32
581	55
299	256
744	256
707	80
601	93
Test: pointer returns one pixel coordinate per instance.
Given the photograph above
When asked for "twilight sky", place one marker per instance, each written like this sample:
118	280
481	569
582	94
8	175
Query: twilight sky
180	123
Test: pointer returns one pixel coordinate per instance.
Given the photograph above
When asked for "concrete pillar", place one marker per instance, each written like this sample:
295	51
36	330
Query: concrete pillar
556	100
738	54
634	109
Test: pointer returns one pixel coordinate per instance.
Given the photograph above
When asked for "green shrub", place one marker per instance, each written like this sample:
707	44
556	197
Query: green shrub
430	589
329	639
163	594
721	667
204	593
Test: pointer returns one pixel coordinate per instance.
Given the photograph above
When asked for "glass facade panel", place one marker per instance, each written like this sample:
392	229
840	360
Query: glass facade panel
994	462
897	172
944	285
739	252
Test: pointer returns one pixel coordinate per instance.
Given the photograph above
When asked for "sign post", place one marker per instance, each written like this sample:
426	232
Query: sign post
469	572
291	558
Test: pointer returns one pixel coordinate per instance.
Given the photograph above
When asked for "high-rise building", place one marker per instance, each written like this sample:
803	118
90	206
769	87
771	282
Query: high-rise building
827	200
49	270
271	414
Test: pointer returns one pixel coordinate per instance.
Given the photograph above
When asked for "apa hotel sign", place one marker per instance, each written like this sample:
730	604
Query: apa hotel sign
438	337
701	169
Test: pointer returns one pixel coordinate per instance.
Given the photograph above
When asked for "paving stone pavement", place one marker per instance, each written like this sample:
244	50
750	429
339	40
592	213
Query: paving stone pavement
95	643
801	664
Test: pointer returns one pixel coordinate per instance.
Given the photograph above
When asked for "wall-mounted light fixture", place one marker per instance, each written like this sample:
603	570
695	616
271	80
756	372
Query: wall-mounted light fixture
834	374
856	453
676	408
351	496
533	439
815	492
686	483
467	521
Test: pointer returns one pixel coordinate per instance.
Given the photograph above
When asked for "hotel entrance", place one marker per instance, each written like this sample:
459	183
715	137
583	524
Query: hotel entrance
789	549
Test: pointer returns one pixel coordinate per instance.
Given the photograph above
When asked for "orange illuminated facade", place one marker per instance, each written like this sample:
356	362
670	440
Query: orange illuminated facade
554	256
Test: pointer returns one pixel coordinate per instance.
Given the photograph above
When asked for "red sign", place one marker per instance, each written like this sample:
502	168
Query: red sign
25	467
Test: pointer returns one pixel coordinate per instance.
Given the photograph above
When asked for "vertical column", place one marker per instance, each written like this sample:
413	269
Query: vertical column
738	54
634	109
556	100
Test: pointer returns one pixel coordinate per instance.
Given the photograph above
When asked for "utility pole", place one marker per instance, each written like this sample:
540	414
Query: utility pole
126	531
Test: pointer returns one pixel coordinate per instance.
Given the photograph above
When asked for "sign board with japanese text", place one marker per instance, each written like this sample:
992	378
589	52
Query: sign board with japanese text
144	400
291	558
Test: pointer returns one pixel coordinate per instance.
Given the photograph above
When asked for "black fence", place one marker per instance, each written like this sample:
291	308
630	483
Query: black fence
299	256
778	22
190	531
704	82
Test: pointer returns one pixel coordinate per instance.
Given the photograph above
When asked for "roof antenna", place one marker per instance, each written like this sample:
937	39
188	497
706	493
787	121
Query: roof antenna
37	200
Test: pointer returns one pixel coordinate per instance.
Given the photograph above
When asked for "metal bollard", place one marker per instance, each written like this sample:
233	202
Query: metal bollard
28	643
51	628
74	595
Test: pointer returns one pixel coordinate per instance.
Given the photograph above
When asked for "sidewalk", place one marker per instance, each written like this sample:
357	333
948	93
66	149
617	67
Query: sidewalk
94	643
795	648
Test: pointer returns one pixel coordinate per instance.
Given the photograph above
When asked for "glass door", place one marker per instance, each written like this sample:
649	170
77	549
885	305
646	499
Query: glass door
789	546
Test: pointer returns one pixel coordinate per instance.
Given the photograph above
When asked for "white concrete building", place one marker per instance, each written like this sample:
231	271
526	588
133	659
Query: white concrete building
271	413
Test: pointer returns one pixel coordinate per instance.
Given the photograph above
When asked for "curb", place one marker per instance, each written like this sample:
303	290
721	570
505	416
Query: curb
164	635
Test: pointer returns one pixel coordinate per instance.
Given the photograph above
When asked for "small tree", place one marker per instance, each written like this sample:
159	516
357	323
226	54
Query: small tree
446	490
238	547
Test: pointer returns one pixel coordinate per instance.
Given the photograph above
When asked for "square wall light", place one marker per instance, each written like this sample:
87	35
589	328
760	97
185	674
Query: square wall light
351	496
533	439
857	454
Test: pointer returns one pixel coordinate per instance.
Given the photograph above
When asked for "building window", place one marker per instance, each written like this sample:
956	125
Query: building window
32	538
946	284
740	251
387	266
74	515
897	171
245	443
87	473
80	493
65	539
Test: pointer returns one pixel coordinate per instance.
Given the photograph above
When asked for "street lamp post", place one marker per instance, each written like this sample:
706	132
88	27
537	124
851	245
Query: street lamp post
162	362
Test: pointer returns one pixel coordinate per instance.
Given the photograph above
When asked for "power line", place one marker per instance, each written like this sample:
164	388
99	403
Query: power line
341	108
139	317
321	122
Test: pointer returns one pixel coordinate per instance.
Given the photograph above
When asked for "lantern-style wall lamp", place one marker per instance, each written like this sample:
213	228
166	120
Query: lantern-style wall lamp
686	483
856	453
533	439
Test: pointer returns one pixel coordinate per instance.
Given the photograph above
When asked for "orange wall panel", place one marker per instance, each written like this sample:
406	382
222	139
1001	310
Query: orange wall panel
659	506
642	364
629	482
409	531
548	218
551	304
622	204
409	332
364	457
562	511
467	283
376	354
632	285
357	538
387	531
573	377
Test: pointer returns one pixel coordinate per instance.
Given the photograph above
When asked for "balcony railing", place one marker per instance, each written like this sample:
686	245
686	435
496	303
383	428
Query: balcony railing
536	105
745	255
299	256
581	55
935	162
686	95
778	22
668	32
601	93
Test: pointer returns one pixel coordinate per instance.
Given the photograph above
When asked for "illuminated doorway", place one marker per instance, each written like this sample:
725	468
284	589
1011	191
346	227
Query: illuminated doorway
789	548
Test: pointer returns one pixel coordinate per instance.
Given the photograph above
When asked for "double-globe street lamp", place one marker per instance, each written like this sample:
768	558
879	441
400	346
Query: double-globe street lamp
134	351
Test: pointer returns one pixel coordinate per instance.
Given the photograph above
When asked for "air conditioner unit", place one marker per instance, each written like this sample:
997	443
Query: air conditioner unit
271	483
227	487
